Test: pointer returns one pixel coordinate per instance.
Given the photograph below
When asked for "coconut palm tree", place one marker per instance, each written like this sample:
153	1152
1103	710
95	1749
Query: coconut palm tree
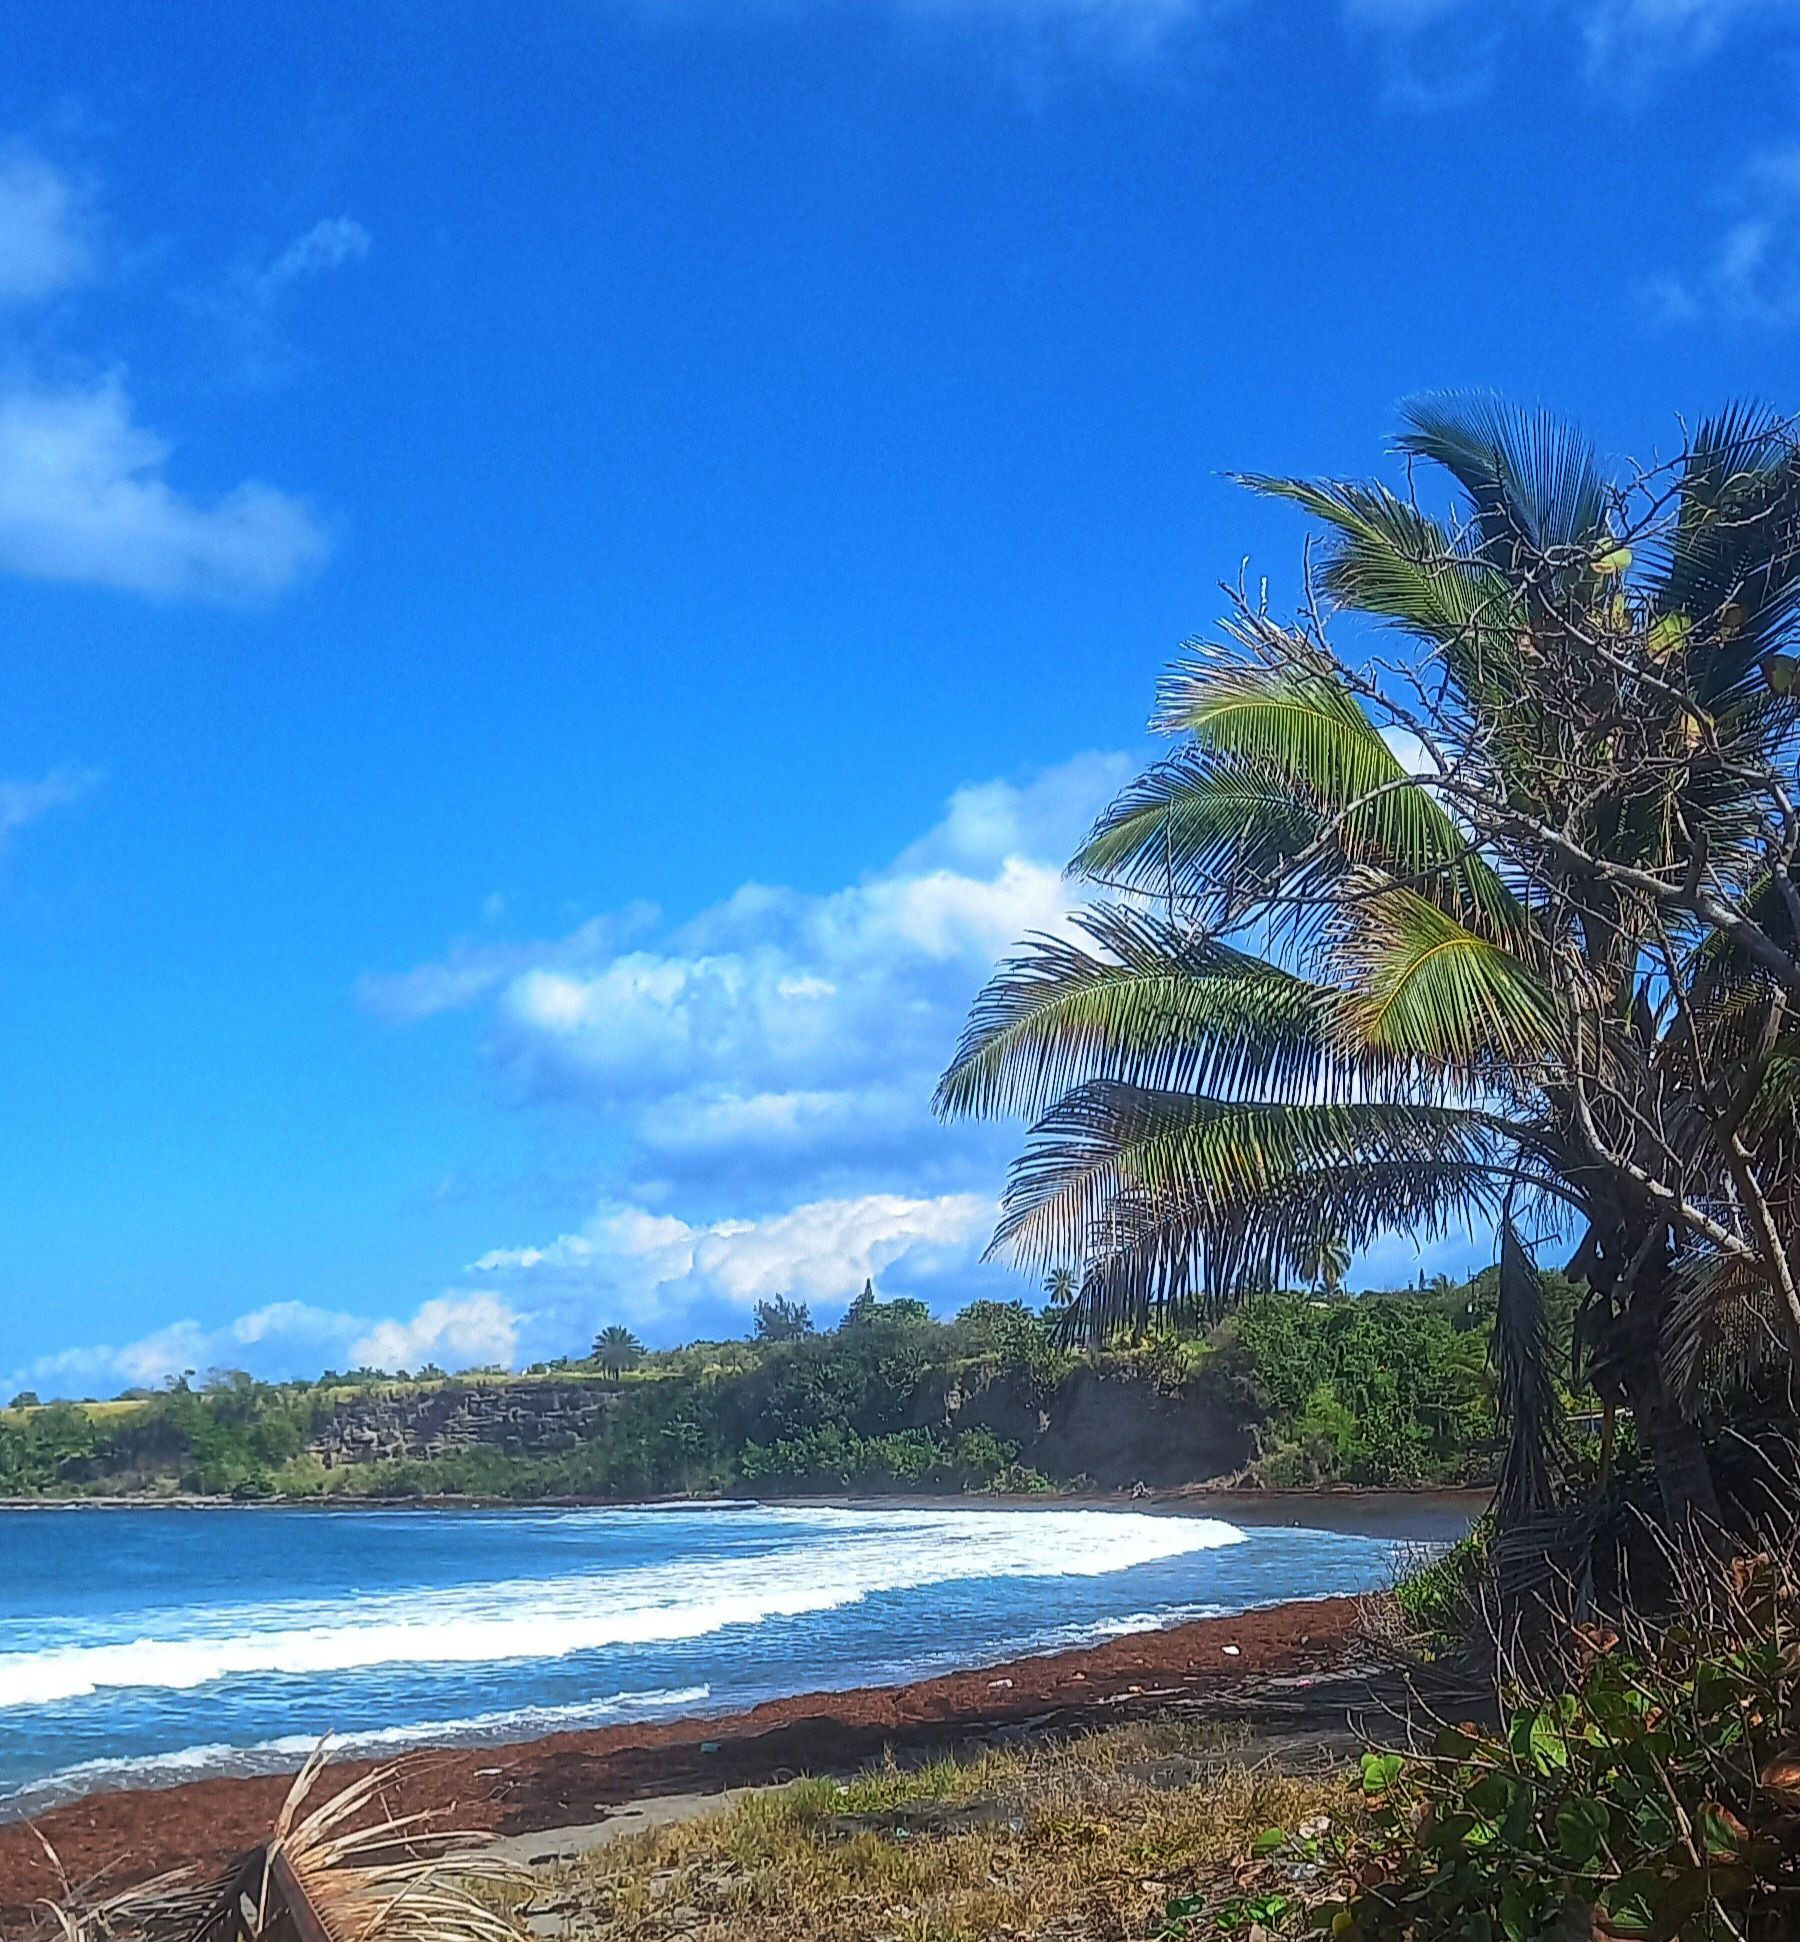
1502	930
616	1349
1327	1264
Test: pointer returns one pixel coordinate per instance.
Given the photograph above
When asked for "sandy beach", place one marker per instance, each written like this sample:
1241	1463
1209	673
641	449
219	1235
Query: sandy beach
106	1842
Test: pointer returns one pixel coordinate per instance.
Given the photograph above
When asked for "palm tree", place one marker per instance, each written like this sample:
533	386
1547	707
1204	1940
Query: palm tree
1537	972
1327	1264
616	1349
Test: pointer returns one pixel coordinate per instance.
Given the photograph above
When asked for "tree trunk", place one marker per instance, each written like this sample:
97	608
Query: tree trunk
1677	1453
1669	1439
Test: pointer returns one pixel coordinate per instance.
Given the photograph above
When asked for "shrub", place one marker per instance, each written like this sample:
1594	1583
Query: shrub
1656	1796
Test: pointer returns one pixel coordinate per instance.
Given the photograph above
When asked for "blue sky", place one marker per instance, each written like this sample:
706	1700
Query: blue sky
570	573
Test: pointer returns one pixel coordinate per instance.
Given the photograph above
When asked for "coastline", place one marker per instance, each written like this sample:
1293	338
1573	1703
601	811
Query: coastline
1378	1509
580	1778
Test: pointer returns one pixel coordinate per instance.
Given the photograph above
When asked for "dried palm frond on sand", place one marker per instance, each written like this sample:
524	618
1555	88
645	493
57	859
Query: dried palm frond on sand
342	1869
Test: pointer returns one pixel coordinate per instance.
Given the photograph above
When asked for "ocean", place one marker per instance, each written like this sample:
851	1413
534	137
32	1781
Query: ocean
139	1647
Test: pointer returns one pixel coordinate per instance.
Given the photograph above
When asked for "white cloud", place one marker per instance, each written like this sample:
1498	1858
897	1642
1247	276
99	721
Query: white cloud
45	243
285	1338
23	801
460	1329
248	304
1626	40
1753	275
456	1331
470	971
83	497
765	1069
1635	34
84	491
767	1010
327	246
655	1267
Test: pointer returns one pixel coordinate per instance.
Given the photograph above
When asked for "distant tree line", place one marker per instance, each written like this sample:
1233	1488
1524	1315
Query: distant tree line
1374	1389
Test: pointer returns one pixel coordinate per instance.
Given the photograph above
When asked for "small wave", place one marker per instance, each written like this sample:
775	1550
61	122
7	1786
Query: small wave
1127	1625
831	1559
279	1754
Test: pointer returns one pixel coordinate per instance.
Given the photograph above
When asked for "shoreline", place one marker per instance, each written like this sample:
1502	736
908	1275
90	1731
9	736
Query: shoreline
584	1777
1252	1503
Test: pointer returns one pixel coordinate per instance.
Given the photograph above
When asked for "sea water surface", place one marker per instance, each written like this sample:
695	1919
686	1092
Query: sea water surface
139	1647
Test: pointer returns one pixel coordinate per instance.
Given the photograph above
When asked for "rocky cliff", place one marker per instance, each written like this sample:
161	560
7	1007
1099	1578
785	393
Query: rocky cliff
1113	1427
517	1418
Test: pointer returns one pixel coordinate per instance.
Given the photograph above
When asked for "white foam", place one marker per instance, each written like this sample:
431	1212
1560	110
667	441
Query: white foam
277	1755
1128	1625
830	1558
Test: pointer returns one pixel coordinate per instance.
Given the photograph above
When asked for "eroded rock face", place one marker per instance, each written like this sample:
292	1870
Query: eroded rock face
1111	1426
1114	1426
518	1418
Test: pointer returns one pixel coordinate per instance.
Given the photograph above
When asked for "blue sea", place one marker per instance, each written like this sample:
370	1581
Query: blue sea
139	1647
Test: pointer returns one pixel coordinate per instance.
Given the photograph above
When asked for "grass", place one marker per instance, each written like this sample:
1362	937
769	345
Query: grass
1100	1837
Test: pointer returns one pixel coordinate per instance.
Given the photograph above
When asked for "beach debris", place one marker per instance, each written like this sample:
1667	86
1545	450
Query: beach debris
1000	1685
1230	1651
911	1819
342	1866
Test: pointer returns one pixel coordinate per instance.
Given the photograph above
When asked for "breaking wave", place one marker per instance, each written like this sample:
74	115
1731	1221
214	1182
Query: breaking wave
288	1749
841	1558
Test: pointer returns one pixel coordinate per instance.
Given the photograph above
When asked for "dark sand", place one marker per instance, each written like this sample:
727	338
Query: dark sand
107	1842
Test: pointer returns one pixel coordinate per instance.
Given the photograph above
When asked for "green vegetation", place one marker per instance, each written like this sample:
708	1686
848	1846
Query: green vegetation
1498	925
1650	1793
616	1349
1373	1389
1504	927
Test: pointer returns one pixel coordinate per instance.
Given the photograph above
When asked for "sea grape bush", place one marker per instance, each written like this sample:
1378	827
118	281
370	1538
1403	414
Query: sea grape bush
1658	1797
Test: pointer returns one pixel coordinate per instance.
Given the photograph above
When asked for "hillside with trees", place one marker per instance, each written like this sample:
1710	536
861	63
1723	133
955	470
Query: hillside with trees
1294	1390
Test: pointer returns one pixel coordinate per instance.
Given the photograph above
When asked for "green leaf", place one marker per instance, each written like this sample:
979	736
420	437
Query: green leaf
1518	1916
1721	1832
1455	1743
1582	1829
1492	1795
1380	1771
1668	636
1549	1750
1148	1003
1270	1841
1613	562
1428	987
1630	1902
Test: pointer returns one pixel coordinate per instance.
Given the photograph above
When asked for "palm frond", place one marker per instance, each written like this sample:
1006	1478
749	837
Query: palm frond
1309	729
1162	1008
1113	1169
376	1877
1395	562
1532	480
1201	819
363	1873
1721	1331
1528	1405
1732	564
1424	987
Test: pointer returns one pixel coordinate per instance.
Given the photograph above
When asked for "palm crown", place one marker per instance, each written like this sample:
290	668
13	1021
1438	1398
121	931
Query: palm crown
1501	929
616	1349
